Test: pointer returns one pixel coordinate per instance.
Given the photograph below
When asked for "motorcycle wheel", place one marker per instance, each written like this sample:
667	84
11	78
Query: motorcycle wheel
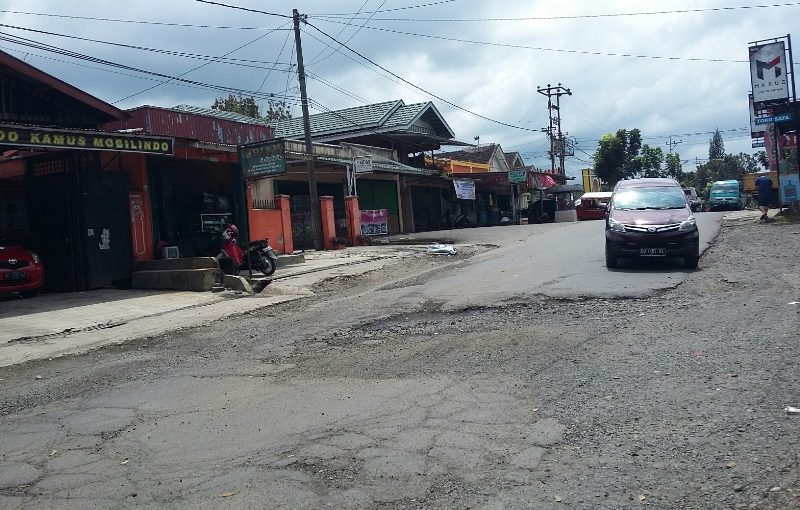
267	266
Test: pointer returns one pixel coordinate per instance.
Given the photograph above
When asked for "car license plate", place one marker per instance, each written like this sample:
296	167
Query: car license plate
652	252
15	275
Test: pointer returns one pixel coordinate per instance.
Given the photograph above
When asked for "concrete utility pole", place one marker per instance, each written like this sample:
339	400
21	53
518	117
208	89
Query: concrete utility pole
312	173
558	144
672	144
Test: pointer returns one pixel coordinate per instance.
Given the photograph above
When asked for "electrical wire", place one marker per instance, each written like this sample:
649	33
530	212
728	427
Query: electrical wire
222	59
440	98
80	56
580	16
137	22
344	14
243	8
542	48
288	34
351	35
320	52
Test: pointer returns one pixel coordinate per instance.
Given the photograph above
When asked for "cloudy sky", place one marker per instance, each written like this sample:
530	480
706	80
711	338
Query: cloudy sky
605	52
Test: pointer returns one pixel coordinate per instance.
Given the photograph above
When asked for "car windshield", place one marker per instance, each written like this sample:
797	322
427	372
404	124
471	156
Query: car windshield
650	197
725	188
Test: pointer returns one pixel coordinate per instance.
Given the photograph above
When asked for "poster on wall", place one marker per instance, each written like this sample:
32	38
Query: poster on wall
374	222
789	188
465	188
768	72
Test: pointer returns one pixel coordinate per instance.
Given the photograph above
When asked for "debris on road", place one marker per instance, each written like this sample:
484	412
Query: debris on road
442	249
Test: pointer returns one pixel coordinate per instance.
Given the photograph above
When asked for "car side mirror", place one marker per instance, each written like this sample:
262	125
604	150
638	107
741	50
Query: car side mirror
603	206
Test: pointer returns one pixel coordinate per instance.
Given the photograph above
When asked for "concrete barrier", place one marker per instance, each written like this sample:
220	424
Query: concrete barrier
197	280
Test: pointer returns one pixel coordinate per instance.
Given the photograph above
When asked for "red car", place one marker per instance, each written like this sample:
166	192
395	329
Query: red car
20	270
592	206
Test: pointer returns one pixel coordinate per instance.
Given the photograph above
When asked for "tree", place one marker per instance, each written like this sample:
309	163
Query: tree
237	104
673	167
245	105
617	154
716	147
650	161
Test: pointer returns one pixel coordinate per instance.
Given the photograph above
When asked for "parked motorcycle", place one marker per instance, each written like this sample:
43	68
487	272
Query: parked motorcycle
256	255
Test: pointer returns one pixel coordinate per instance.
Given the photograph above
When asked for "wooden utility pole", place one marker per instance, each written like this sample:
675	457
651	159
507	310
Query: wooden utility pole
312	174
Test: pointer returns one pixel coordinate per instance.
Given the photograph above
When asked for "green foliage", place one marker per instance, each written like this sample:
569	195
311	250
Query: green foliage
617	156
276	110
716	147
673	167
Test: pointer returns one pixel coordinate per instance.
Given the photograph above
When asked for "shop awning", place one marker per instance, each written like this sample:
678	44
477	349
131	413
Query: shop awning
540	181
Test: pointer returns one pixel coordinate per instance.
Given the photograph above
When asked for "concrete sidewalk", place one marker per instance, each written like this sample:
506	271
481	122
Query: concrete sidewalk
57	324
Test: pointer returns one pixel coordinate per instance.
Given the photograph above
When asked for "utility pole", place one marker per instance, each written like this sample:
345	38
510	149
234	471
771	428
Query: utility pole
558	143
312	173
672	144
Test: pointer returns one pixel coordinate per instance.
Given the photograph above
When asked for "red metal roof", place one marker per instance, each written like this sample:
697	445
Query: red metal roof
179	124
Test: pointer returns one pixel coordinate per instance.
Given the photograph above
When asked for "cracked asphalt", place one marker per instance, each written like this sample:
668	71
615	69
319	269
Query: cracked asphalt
374	394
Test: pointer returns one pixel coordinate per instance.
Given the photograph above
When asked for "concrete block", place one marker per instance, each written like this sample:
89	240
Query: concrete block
198	280
237	283
176	264
290	259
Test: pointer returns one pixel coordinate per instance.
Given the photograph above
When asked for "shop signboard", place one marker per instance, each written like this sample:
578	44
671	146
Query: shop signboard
84	140
465	188
756	129
362	164
789	188
374	222
263	159
517	176
775	119
768	72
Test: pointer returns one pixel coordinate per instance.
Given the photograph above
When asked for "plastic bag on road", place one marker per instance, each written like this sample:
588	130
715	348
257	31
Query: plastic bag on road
442	249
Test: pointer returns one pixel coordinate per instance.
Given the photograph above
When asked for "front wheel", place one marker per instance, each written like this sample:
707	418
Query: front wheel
612	260
691	261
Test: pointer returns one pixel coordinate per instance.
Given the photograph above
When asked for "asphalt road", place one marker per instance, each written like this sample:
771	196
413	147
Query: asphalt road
371	396
565	261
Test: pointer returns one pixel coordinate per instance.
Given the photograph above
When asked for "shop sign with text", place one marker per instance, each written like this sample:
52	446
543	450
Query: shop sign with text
263	159
374	222
768	72
465	188
86	140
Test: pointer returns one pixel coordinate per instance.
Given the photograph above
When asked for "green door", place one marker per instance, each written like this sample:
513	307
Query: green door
380	195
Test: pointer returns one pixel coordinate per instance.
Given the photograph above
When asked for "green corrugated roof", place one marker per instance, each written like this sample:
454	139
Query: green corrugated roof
339	121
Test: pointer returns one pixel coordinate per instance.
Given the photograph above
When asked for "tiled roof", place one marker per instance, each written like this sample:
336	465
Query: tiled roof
511	157
348	119
482	154
405	114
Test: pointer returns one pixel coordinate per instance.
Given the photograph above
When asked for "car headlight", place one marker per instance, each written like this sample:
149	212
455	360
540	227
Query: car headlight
615	226
689	225
35	258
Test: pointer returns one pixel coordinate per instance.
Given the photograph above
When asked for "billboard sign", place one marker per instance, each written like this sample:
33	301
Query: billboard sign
465	188
768	73
775	119
374	222
263	159
517	176
86	140
756	129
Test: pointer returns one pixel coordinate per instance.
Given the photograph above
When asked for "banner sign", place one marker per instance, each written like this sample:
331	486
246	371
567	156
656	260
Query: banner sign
757	145
756	130
517	176
264	159
465	188
768	72
362	164
789	188
84	140
374	222
775	119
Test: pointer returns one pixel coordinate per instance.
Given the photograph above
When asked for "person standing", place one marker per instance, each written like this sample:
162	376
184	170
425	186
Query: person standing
764	188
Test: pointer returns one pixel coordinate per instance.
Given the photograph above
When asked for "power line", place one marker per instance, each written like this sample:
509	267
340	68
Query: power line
79	56
137	22
320	52
353	34
581	16
541	48
222	59
243	8
458	107
288	34
203	65
343	14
